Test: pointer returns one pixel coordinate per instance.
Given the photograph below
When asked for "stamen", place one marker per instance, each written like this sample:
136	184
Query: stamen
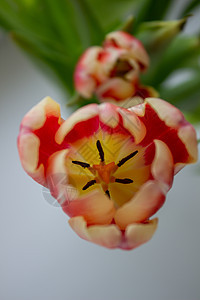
124	181
100	149
81	163
123	160
90	183
107	193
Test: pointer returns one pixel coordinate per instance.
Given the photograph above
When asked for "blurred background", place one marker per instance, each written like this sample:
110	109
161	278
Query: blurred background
41	257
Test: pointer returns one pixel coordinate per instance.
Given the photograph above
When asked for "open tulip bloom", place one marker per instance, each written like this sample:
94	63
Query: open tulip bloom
108	167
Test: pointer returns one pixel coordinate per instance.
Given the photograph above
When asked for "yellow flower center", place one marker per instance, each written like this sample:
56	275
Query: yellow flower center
104	172
112	163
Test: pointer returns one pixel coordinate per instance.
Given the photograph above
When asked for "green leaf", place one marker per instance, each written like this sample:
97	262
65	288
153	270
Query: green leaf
191	108
183	94
22	18
89	28
56	32
183	52
127	25
186	97
157	35
190	7
150	10
113	12
75	23
62	68
193	116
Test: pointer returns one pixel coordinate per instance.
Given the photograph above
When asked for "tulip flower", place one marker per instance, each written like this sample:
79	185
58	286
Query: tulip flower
112	72
119	164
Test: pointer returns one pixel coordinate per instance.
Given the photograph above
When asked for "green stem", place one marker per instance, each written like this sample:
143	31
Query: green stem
128	25
76	99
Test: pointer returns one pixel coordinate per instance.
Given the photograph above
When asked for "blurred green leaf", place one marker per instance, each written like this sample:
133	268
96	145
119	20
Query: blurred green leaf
191	5
61	16
127	25
60	66
157	35
150	10
184	51
89	27
76	24
56	32
193	114
113	12
184	94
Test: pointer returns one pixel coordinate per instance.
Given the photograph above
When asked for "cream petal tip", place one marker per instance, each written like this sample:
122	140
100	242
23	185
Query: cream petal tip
163	166
111	237
188	136
82	114
167	112
146	202
108	236
138	234
36	117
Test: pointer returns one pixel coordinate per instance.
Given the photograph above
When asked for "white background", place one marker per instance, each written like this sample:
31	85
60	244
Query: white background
42	258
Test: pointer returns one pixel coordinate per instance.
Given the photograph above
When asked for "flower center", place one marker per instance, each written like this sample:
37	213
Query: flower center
104	173
121	68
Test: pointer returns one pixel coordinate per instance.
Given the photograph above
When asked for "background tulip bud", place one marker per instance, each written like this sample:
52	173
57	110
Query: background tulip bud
111	72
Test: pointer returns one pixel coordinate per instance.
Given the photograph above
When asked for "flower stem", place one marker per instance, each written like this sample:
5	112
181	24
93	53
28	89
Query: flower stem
128	25
76	99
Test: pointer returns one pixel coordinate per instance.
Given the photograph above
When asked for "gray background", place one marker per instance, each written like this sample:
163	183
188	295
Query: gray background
42	258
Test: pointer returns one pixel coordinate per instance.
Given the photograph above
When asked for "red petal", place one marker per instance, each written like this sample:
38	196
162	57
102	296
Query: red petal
87	120
46	134
157	129
36	141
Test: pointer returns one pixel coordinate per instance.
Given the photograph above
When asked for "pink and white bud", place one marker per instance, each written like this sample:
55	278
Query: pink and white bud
121	39
119	61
